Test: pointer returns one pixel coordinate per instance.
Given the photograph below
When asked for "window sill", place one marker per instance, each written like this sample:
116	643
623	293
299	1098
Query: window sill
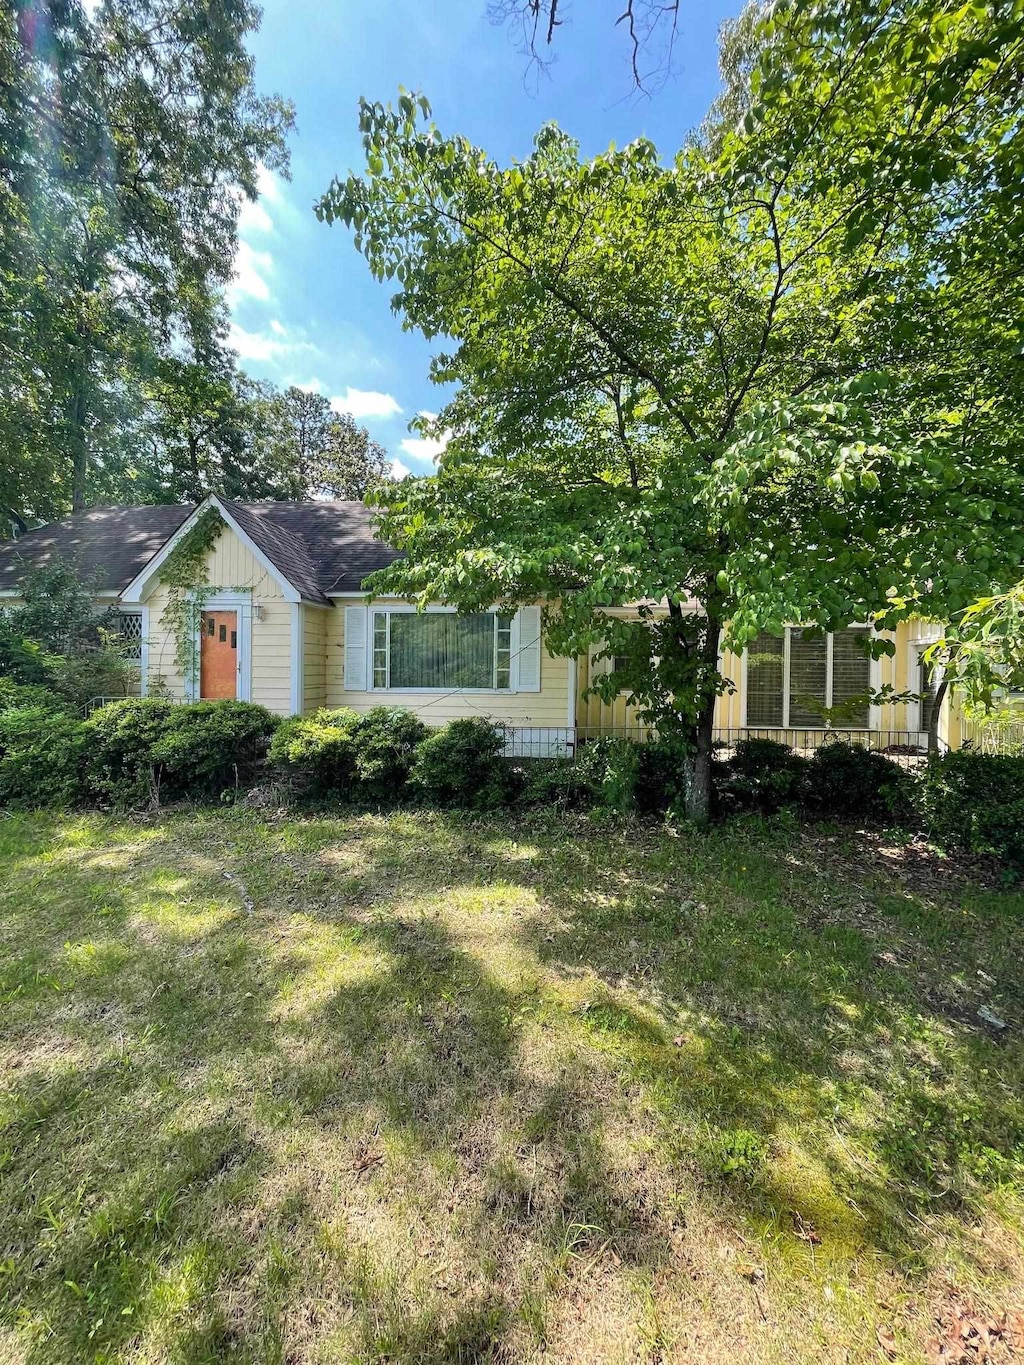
446	691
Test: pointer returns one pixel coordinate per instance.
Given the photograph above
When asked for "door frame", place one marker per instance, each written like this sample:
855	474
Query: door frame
241	603
915	648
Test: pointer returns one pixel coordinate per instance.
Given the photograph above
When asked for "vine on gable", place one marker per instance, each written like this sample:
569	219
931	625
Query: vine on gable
184	574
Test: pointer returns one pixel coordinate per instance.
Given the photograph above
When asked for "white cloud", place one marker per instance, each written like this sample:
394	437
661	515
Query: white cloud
251	269
253	217
365	403
252	345
426	448
399	470
268	184
277	346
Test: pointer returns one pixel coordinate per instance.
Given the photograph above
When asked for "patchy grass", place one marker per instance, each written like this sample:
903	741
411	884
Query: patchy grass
419	1088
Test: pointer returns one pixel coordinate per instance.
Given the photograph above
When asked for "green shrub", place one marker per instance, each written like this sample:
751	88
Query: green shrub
145	748
210	747
384	741
975	802
610	767
849	781
461	765
762	775
316	753
17	696
554	782
123	735
42	757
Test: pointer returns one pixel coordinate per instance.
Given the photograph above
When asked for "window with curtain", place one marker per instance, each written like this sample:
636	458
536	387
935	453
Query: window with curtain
439	650
792	678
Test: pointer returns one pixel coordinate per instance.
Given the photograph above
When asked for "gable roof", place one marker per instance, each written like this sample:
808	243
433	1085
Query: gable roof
318	547
107	545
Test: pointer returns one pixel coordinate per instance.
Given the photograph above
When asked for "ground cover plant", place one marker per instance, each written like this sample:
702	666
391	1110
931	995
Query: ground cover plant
425	1086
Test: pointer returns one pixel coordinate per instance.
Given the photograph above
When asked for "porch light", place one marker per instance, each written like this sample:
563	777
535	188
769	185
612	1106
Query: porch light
257	611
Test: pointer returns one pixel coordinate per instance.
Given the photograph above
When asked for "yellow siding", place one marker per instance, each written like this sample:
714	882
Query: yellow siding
600	717
314	656
232	567
272	653
549	707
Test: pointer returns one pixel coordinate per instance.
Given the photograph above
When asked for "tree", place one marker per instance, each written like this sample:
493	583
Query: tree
650	26
777	380
129	139
316	452
353	463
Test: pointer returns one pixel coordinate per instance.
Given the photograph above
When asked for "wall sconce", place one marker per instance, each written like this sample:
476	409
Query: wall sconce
257	611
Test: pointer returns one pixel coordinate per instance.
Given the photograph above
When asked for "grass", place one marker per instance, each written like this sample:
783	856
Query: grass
422	1088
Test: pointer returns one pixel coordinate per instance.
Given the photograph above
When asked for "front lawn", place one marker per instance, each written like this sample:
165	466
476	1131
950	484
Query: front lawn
421	1088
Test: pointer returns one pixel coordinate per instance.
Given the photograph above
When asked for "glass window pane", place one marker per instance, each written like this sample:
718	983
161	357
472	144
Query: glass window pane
926	686
380	649
807	654
851	676
442	650
764	680
503	651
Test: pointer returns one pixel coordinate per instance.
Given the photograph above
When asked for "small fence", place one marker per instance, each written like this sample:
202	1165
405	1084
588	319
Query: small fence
995	737
906	747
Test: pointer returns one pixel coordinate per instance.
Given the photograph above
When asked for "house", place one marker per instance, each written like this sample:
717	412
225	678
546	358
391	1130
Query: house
285	622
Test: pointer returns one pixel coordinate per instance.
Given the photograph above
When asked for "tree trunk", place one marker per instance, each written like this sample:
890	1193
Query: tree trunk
698	787
936	715
78	413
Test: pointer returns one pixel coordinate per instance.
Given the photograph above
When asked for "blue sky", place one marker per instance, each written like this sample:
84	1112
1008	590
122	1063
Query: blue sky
304	307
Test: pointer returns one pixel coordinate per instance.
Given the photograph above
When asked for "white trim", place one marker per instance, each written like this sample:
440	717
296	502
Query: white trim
874	683
142	584
570	717
402	608
144	660
297	669
241	604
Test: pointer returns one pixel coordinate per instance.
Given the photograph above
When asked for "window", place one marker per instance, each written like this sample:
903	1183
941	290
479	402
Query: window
793	678
129	627
440	651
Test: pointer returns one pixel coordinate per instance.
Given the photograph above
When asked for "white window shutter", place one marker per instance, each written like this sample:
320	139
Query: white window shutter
529	649
355	648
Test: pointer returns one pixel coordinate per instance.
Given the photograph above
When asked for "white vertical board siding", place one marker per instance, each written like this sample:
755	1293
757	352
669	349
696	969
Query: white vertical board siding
543	708
231	566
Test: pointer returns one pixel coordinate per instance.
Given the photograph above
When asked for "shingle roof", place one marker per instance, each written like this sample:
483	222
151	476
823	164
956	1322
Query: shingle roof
107	545
319	547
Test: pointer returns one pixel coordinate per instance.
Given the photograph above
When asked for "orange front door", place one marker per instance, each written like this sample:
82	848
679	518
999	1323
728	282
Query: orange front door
218	655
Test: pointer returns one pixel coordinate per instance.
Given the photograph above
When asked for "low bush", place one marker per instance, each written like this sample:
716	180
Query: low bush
16	696
554	783
316	753
211	747
122	736
145	748
610	768
462	765
975	802
848	781
384	743
762	775
43	757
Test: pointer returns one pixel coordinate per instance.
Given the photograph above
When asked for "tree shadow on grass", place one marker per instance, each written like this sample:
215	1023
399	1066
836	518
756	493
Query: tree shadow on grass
821	1084
147	1150
279	1125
